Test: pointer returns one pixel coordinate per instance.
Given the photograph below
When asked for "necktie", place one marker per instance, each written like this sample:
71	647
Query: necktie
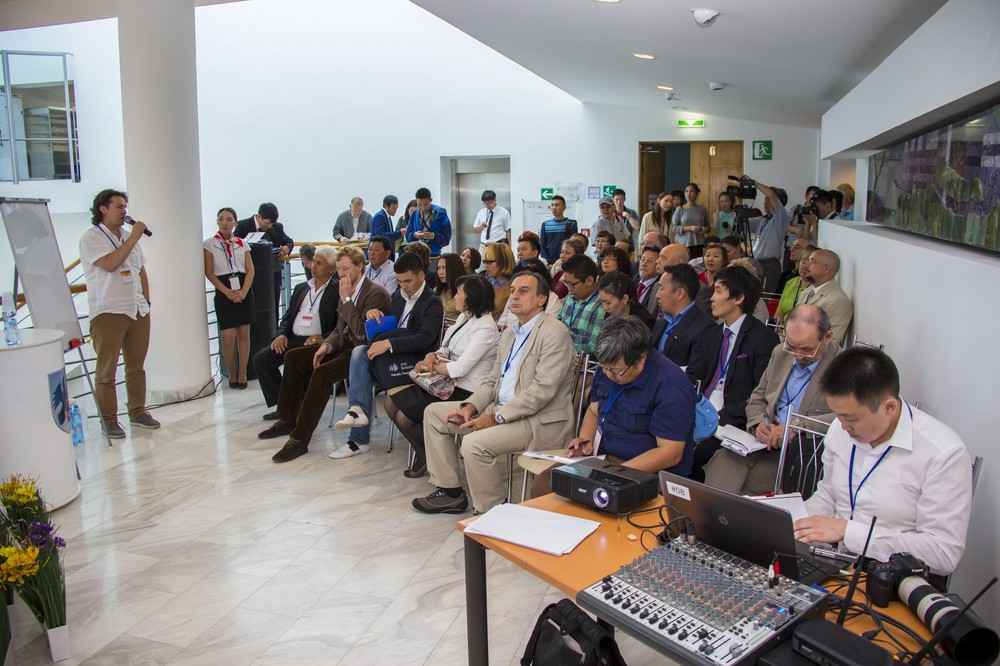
489	224
723	353
641	291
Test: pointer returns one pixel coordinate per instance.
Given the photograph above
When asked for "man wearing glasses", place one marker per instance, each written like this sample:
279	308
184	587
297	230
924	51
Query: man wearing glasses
641	412
791	383
581	310
825	293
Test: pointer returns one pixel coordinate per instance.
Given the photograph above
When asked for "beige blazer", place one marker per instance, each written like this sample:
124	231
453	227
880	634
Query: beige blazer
765	397
835	302
544	389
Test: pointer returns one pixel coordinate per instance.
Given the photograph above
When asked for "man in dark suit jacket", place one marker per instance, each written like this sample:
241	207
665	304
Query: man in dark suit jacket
732	356
382	223
419	317
674	254
680	327
310	373
310	317
646	279
266	220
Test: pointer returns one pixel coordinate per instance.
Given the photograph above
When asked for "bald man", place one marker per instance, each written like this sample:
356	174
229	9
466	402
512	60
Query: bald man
674	254
824	292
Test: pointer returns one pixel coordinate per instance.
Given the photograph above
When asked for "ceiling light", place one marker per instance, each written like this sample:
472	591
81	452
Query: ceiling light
680	108
664	87
643	56
705	17
609	2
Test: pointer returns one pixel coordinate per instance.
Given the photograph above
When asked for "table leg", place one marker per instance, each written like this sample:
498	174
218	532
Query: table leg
475	603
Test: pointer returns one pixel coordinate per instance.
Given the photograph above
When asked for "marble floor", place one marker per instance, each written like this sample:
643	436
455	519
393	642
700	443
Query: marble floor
187	545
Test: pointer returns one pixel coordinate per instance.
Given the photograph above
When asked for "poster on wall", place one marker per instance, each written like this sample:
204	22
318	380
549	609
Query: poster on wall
533	213
570	191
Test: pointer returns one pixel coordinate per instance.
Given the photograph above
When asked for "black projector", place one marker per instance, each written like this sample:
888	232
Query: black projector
604	485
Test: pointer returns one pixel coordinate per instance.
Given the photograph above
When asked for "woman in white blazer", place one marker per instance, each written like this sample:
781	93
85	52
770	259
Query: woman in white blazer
467	355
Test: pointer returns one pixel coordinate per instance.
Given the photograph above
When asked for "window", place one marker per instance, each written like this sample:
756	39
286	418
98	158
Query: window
38	134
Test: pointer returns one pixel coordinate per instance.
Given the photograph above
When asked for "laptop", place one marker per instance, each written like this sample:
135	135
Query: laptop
745	528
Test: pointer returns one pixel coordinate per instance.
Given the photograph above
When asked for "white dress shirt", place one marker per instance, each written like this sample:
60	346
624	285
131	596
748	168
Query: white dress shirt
472	347
384	275
409	303
307	319
508	373
118	291
499	224
552	307
921	492
222	263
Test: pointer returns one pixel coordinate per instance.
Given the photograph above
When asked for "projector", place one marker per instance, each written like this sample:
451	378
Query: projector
604	486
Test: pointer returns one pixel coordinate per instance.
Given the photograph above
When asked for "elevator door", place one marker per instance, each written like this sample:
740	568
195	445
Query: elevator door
468	201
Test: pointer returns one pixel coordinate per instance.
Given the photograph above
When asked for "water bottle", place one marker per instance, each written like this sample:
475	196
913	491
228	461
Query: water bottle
76	424
10	332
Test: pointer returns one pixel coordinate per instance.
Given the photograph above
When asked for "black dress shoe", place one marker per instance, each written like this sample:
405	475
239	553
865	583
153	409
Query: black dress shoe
233	384
241	385
271	416
279	429
292	449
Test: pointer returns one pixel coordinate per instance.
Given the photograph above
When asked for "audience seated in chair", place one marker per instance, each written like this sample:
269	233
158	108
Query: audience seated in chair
553	306
311	373
681	324
581	312
525	401
885	458
617	295
641	411
647	279
675	254
824	292
790	383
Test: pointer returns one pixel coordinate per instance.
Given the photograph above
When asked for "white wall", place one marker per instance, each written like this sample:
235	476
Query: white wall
308	103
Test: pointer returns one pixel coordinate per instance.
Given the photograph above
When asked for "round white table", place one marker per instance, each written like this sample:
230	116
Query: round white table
35	437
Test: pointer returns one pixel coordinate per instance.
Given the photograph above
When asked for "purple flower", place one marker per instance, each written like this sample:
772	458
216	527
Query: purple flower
41	536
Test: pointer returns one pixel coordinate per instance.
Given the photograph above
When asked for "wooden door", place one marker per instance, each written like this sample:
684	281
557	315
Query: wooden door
651	166
712	172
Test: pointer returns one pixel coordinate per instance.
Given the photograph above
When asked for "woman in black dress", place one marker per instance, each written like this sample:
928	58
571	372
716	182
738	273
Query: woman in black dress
230	270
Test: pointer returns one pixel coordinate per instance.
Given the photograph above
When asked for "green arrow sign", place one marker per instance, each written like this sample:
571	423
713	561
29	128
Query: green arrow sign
547	194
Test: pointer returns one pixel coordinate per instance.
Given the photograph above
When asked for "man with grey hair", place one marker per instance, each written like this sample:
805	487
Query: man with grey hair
354	220
791	383
641	412
825	293
306	253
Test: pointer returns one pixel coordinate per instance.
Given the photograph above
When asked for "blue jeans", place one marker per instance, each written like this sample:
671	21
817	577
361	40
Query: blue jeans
359	391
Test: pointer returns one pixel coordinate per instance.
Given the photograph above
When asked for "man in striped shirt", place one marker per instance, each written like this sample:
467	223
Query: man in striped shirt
555	230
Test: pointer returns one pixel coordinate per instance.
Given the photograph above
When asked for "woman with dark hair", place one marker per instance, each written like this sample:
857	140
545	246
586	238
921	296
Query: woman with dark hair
405	217
229	269
614	259
691	221
617	293
570	247
716	258
660	218
467	355
733	247
552	306
471	260
499	261
449	269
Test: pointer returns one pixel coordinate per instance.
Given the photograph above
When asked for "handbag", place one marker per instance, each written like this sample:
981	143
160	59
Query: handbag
566	636
438	385
393	369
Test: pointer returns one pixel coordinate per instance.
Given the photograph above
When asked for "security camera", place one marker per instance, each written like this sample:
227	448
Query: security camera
705	17
669	95
712	85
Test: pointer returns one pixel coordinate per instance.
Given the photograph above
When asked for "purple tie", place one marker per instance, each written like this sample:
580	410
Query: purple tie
723	353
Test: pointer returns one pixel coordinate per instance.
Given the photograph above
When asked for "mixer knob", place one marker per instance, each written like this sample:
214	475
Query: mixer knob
673	630
663	624
682	635
618	599
644	614
627	603
654	618
608	595
635	609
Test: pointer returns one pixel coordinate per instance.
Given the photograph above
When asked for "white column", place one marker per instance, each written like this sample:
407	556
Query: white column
160	113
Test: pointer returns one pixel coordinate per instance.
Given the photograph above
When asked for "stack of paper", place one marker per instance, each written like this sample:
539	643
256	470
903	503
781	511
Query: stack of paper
790	502
738	441
552	533
563	460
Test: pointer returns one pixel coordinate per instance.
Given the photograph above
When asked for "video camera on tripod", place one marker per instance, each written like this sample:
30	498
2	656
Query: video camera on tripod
747	189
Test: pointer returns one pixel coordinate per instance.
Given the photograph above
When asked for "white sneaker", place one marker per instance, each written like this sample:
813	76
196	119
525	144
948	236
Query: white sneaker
354	418
349	450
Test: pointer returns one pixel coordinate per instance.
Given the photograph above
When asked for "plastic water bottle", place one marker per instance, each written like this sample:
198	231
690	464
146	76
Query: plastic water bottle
10	332
76	424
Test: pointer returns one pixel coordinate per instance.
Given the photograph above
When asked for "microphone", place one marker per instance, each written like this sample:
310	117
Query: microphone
131	222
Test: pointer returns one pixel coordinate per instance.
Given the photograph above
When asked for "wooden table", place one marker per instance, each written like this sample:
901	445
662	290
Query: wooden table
600	554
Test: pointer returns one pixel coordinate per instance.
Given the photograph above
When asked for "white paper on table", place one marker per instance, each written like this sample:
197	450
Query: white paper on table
549	532
559	459
790	502
738	441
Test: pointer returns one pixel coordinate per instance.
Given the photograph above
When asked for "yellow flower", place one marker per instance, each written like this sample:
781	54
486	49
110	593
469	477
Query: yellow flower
19	490
17	564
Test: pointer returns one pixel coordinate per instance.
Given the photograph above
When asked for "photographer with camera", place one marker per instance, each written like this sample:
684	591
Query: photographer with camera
821	207
769	243
887	459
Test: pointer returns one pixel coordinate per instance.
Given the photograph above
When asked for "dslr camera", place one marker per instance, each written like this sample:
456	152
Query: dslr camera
808	209
747	188
884	577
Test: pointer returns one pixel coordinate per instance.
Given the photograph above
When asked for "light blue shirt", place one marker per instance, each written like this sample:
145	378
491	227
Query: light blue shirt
770	232
672	322
510	364
794	389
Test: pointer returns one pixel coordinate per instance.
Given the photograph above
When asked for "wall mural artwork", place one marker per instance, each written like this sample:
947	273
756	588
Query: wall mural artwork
944	183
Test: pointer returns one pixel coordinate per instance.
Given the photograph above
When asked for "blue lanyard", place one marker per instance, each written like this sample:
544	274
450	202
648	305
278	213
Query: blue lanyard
852	494
374	276
611	403
402	322
725	368
229	260
313	299
790	400
573	314
513	354
108	237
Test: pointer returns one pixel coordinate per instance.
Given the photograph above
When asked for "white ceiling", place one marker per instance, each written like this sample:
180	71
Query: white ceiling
783	61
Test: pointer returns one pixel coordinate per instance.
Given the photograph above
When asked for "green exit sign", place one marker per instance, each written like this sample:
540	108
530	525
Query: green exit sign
762	150
691	122
608	190
547	193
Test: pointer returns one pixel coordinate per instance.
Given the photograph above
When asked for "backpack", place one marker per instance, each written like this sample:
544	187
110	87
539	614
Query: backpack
566	636
706	419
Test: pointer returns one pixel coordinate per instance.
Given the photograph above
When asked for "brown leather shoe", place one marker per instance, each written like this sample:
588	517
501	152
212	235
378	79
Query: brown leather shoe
292	449
280	428
415	472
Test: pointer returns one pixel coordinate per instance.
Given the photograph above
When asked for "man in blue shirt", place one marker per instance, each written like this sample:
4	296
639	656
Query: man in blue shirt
555	230
429	223
641	412
790	383
769	242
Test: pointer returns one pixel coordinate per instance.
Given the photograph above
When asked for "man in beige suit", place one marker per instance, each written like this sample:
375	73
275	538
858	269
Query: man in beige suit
527	400
790	383
824	292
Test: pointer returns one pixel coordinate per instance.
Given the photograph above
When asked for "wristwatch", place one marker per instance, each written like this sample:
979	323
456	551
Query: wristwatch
499	419
347	299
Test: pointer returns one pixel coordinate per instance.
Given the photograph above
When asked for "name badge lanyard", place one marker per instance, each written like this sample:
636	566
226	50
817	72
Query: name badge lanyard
760	233
611	403
313	299
126	273
853	494
228	251
791	400
573	314
725	369
374	276
403	320
512	354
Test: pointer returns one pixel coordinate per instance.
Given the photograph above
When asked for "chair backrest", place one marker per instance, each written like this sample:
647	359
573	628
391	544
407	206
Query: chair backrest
859	342
801	461
977	466
586	366
771	300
